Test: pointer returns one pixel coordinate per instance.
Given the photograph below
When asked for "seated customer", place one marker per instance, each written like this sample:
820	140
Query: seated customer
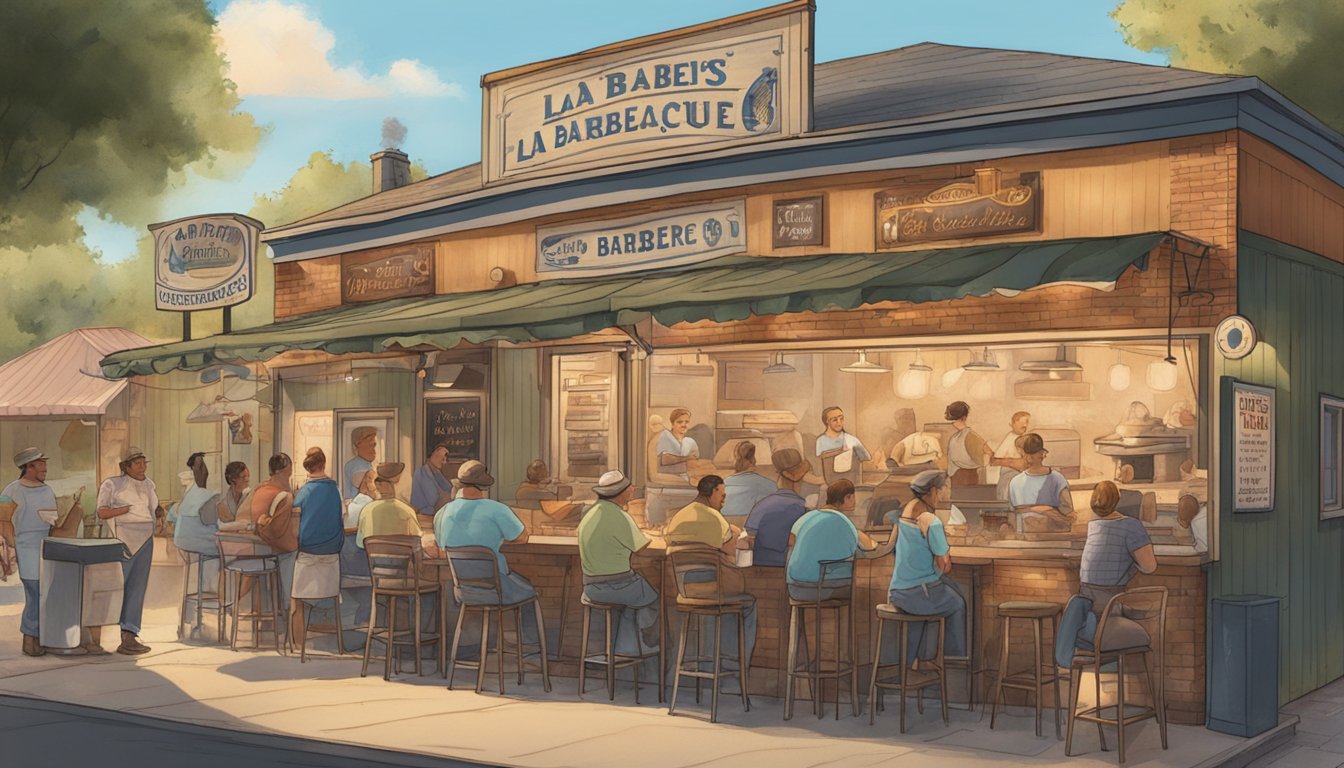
919	581
429	488
747	486
197	513
1040	493
608	537
700	523
1117	548
390	516
538	486
825	534
773	517
473	520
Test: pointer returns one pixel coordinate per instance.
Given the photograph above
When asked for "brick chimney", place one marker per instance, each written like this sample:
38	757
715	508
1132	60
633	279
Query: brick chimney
391	169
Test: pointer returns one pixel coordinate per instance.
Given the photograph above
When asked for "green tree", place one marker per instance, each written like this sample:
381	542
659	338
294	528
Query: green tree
1293	45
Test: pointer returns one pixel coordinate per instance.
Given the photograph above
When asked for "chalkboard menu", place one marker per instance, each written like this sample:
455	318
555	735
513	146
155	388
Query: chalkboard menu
456	423
800	222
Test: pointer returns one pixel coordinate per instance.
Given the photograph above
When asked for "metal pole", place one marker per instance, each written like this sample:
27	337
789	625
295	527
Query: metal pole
228	319
186	326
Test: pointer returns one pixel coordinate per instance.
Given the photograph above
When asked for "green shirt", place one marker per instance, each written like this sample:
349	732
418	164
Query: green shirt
608	537
386	517
698	523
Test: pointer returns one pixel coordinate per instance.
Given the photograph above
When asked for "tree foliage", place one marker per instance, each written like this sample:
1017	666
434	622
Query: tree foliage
1293	45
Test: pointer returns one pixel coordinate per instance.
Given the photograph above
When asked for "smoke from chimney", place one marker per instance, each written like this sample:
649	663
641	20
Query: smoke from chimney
394	133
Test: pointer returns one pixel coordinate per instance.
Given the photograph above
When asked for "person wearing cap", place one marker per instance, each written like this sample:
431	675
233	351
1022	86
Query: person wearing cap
967	451
608	536
365	442
27	513
1039	493
389	516
429	488
747	486
474	520
821	535
919	581
130	504
773	517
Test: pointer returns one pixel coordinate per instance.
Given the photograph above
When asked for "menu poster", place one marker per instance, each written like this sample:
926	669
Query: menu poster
456	423
1248	445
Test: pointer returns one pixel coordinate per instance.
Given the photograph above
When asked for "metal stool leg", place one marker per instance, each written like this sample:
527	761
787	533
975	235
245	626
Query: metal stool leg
541	637
368	637
1006	627
790	675
1075	677
485	648
743	663
583	648
718	657
609	643
450	670
676	676
1036	671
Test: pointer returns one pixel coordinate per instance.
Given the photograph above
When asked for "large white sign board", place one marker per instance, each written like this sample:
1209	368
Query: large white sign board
204	262
737	80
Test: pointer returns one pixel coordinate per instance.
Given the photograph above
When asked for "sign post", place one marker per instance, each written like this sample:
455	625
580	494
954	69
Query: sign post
204	262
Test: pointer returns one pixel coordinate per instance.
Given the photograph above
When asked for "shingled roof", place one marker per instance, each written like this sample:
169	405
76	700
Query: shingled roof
918	83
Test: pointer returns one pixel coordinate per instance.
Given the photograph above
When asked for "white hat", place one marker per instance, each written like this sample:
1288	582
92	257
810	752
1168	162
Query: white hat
611	484
28	456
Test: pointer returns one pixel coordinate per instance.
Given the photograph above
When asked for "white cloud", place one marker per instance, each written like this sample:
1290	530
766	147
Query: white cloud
275	48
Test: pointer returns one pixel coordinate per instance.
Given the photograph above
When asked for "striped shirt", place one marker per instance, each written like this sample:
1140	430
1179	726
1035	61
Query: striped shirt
1108	559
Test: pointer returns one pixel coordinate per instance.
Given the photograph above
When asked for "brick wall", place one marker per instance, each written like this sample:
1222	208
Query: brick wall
307	286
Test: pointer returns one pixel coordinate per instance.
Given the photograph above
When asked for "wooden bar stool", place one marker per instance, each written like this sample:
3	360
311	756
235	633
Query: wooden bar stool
1133	627
837	597
609	659
707	601
263	572
394	570
911	680
475	571
1040	673
201	597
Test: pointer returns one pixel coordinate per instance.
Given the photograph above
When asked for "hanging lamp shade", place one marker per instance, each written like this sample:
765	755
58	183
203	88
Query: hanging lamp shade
863	366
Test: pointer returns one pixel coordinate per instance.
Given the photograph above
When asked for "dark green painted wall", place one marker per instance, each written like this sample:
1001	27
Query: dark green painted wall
1295	299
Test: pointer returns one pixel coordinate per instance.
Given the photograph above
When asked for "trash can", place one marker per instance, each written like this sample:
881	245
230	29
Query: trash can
81	586
1244	665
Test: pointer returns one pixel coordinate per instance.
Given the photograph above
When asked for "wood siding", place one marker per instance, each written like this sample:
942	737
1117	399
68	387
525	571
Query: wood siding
515	403
1284	199
1296	301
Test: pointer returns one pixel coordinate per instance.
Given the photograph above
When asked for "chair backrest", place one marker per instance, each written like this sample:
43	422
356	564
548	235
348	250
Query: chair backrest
697	570
475	569
1145	606
394	561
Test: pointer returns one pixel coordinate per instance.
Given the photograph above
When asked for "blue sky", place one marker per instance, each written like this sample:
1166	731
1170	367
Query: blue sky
323	74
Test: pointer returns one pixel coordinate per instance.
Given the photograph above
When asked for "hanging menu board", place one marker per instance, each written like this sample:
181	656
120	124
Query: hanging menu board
456	423
1248	446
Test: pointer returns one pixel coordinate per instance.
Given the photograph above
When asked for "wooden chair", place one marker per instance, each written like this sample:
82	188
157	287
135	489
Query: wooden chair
394	573
910	680
816	670
701	599
1133	627
475	571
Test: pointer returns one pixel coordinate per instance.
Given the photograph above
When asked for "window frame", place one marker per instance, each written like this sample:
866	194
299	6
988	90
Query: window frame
1331	508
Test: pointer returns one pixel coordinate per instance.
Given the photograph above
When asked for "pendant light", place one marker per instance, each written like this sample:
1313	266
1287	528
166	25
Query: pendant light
863	366
1162	375
985	362
1119	374
914	383
952	376
779	366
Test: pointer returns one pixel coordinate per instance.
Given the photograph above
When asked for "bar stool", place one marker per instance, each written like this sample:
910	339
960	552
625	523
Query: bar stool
263	572
708	601
1034	679
609	659
199	597
838	597
911	680
475	571
1133	626
394	572
317	578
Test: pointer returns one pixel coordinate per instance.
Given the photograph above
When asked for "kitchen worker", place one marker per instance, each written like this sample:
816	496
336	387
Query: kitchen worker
130	505
1041	493
365	442
967	451
836	441
27	513
1008	456
675	449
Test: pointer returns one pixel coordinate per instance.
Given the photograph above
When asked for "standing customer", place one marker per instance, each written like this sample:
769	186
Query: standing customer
130	504
27	512
919	581
317	565
429	488
608	537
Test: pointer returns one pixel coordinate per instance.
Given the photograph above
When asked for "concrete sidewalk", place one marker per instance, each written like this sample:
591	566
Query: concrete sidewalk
326	700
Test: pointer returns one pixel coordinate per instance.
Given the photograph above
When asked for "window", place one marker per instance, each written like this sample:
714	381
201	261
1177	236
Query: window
1332	457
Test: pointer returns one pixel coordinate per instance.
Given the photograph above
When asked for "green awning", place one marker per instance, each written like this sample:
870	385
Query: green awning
730	288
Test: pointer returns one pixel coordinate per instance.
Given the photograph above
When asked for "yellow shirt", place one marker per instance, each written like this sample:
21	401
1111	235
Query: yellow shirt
386	517
698	523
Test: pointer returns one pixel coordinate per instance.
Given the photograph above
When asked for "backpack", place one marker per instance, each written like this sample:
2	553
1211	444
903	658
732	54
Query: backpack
279	525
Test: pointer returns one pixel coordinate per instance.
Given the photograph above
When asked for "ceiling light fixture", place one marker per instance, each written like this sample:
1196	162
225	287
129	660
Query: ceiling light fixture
863	366
779	366
914	383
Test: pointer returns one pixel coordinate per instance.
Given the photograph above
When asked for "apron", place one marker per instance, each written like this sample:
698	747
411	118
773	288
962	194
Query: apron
29	527
135	527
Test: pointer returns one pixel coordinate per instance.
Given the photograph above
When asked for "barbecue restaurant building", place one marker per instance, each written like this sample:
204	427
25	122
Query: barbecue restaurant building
1143	260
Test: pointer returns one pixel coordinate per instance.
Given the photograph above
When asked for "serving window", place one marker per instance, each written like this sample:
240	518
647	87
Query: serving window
1132	412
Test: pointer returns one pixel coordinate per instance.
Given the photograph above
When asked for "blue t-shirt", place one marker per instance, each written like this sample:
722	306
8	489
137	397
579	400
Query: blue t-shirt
355	466
915	553
1108	555
743	491
29	528
321	519
477	523
770	522
1027	490
426	485
822	534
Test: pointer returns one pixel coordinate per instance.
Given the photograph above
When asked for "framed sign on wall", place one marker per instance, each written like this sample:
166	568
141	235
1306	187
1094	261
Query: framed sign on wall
1248	445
